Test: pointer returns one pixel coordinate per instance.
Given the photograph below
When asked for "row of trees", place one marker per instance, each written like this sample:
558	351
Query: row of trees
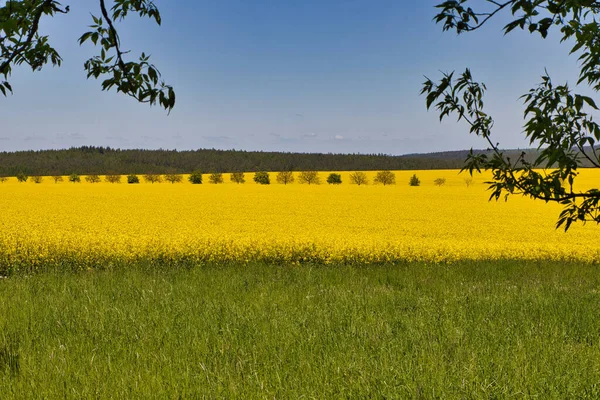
264	178
261	177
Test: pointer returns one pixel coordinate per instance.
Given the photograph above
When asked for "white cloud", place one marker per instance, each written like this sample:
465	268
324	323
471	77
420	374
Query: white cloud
339	137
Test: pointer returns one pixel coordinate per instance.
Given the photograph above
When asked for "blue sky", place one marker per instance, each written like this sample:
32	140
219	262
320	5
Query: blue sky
337	76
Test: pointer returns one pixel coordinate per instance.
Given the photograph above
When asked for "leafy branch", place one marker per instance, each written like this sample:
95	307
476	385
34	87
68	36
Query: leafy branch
21	43
557	120
558	125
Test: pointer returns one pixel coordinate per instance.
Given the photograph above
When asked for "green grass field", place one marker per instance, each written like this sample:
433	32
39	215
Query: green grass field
472	330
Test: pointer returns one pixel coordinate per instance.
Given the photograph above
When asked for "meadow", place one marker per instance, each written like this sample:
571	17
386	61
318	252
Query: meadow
467	331
294	291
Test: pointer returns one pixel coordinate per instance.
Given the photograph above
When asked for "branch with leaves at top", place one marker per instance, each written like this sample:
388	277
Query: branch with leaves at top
21	43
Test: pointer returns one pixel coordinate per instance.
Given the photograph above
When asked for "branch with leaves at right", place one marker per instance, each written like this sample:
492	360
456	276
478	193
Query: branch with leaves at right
558	125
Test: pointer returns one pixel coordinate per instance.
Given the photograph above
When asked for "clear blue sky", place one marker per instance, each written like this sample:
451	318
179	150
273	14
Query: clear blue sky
293	75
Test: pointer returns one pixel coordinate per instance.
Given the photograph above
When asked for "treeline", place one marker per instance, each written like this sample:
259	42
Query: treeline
105	160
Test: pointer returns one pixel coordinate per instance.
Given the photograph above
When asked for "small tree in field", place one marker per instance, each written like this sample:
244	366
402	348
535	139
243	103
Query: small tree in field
21	177
285	177
92	178
468	181
195	178
112	178
237	177
439	181
414	181
74	178
262	178
359	178
3	179
215	178
57	178
309	177
385	178
37	179
173	178
133	179
334	179
152	178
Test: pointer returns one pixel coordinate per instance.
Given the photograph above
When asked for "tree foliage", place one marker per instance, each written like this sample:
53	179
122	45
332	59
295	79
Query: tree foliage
133	179
106	160
262	178
284	177
237	177
359	178
21	42
173	178
113	178
21	177
558	121
385	178
153	178
93	178
195	178
440	182
215	177
334	179
74	178
309	177
414	181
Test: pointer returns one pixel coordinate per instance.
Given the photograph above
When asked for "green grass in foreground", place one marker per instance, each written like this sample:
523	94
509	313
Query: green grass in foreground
472	330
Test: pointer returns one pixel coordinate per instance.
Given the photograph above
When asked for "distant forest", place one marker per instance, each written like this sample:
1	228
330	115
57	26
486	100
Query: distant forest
105	160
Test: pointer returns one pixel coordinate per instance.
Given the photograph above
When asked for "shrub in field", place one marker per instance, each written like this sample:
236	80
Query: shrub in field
195	178
359	178
21	177
385	178
74	178
309	177
468	181
3	179
57	178
92	178
173	178
215	178
113	178
334	179
262	178
153	178
237	177
133	179
414	181
439	181
37	179
285	177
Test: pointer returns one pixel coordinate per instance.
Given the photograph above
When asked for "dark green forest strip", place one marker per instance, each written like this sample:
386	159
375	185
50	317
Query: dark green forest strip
469	330
104	160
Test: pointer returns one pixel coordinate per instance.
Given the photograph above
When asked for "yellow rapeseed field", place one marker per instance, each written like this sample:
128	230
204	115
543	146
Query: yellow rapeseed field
84	225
